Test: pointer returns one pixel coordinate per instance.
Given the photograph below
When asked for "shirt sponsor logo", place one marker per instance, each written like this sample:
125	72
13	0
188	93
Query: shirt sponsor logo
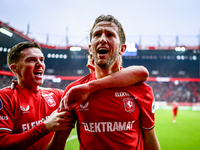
122	94
28	126
129	104
3	117
25	110
108	126
49	99
1	104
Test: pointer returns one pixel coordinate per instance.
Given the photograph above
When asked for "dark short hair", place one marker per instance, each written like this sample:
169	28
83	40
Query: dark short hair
15	52
110	18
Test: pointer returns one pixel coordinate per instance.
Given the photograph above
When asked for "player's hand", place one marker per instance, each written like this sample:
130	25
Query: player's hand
90	63
13	84
91	67
75	96
59	121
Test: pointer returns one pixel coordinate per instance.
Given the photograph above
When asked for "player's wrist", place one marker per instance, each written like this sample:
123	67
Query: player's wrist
47	125
44	127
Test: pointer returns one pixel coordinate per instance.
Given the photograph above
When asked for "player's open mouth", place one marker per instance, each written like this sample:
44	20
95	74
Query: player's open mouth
102	51
39	74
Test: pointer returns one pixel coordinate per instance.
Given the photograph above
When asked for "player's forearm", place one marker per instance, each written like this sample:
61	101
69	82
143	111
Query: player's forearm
22	140
150	140
122	78
58	140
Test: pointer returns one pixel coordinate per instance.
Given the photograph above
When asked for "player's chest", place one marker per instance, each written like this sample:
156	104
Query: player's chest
34	104
32	110
109	105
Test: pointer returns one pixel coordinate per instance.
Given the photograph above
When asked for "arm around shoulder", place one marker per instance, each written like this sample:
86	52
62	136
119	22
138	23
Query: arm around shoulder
125	77
139	72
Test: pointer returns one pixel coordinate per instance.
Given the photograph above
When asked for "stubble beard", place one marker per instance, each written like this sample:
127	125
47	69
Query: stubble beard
106	64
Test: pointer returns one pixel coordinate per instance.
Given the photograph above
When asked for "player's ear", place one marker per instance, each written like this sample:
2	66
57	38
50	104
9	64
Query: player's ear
123	49
13	67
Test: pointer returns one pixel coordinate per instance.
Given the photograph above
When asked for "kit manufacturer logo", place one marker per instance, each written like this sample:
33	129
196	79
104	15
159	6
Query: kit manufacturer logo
25	110
84	107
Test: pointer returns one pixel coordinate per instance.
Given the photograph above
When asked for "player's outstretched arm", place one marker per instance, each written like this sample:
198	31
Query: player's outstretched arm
126	77
122	78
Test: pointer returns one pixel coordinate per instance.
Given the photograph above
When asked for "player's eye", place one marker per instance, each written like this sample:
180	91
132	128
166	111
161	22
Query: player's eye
110	34
30	60
96	35
42	59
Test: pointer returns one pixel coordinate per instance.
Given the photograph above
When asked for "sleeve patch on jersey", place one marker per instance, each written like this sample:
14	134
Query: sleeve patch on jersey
1	104
153	107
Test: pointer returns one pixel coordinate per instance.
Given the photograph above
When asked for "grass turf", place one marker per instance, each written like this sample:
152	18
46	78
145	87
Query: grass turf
72	142
182	135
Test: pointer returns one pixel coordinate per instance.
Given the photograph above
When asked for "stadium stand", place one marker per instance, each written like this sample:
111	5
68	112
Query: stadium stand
174	73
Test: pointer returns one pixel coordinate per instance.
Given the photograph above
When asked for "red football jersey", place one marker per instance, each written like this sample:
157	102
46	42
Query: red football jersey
174	108
22	113
114	118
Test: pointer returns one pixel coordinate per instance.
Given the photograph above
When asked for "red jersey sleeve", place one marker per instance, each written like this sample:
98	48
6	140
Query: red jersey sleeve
22	140
6	110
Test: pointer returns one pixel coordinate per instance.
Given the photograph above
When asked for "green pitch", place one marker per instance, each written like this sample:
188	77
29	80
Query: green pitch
72	142
182	135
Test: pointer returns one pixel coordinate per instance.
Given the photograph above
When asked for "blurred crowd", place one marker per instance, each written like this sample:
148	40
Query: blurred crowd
180	92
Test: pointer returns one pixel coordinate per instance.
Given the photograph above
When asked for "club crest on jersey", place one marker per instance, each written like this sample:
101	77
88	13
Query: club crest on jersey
129	104
1	105
50	100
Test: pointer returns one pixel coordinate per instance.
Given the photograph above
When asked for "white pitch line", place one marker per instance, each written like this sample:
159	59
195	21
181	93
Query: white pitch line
71	138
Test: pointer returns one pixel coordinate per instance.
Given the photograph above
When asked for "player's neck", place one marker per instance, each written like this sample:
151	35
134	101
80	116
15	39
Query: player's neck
32	88
100	73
